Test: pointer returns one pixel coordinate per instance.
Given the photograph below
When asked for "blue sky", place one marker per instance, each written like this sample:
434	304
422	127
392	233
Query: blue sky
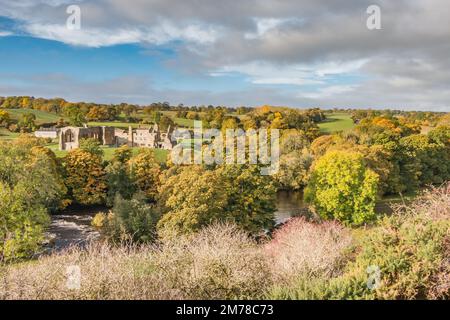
298	53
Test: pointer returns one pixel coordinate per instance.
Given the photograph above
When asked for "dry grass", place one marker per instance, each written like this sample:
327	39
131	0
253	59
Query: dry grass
220	262
434	204
307	249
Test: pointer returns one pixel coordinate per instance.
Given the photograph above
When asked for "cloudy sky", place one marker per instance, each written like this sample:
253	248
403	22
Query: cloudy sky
301	53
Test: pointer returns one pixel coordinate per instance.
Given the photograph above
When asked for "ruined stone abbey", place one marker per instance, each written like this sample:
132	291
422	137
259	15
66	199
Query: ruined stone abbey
153	137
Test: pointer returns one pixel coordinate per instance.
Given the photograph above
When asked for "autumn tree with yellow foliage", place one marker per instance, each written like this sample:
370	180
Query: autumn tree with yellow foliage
85	177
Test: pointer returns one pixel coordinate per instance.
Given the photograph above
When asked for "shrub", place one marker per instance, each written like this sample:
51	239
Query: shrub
220	262
412	256
303	248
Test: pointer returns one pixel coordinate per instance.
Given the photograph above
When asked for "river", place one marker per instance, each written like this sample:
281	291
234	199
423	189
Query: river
73	225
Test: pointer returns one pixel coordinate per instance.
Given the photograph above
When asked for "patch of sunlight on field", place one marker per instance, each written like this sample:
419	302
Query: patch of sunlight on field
336	122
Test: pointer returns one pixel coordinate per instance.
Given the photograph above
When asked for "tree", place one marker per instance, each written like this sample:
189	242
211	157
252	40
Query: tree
92	146
165	122
440	135
132	219
430	160
75	115
146	171
4	118
118	176
85	177
22	227
229	124
321	145
251	197
27	122
195	197
191	200
192	115
30	186
293	173
293	140
343	188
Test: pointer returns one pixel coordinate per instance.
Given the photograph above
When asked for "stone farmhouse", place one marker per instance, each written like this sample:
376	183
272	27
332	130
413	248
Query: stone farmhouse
69	137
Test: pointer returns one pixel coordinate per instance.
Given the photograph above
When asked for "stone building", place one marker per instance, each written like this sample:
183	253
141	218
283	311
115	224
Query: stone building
152	137
69	137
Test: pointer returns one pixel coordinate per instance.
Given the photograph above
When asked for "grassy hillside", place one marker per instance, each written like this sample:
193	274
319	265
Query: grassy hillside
7	135
41	116
336	122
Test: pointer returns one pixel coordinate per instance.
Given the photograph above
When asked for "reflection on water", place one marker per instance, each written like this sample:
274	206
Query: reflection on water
289	204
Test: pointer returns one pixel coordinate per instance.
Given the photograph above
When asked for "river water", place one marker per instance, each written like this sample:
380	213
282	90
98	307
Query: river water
73	225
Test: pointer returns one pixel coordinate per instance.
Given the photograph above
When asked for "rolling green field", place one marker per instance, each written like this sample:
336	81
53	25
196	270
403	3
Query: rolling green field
160	154
41	116
336	122
186	123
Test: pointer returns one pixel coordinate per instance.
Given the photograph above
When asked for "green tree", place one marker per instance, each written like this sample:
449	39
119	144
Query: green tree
251	197
293	173
27	122
75	115
165	122
91	145
196	197
430	160
118	176
343	188
132	219
30	186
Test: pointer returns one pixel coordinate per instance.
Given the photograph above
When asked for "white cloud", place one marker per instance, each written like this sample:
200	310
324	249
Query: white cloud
97	37
333	67
5	33
298	74
329	92
264	25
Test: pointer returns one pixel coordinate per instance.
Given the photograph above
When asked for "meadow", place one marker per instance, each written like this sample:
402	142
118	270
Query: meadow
336	122
41	116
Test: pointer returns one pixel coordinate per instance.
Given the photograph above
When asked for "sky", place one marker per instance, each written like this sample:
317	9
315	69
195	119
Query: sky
298	53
